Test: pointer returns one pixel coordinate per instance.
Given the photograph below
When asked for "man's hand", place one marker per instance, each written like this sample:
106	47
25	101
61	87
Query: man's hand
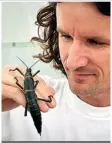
13	96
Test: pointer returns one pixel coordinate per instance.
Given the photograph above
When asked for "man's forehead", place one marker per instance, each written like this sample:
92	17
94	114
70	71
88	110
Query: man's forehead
87	22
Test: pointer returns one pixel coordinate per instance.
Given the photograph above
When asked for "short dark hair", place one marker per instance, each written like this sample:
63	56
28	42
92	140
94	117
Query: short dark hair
46	18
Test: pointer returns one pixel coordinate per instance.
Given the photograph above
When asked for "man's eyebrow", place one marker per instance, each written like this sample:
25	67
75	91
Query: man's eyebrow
61	31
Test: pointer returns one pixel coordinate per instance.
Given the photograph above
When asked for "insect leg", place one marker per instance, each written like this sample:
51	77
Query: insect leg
26	107
36	82
50	98
17	70
18	83
36	73
46	100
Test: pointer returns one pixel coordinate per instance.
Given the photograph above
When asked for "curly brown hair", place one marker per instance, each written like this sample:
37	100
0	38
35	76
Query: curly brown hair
46	19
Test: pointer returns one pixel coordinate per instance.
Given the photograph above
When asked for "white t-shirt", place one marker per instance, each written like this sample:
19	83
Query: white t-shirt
71	120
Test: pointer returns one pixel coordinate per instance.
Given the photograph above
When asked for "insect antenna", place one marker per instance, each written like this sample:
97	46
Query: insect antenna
34	64
22	61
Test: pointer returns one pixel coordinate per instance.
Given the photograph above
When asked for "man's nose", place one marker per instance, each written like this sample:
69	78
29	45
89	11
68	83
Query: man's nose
77	57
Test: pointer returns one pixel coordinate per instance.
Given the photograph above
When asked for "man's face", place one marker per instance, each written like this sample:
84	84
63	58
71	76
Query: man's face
84	45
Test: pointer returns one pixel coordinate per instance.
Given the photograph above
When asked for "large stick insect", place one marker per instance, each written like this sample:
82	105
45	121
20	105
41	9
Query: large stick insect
30	95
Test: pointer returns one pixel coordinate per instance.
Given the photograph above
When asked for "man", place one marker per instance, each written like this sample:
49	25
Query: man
77	38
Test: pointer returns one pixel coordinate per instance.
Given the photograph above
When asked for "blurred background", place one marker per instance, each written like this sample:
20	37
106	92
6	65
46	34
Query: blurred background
17	29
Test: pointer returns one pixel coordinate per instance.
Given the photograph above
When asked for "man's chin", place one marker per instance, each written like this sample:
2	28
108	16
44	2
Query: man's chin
83	90
90	90
79	93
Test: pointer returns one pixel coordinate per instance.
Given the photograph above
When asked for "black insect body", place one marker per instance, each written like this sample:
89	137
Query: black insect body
31	97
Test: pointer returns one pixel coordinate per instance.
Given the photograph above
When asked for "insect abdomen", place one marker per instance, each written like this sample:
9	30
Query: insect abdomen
32	103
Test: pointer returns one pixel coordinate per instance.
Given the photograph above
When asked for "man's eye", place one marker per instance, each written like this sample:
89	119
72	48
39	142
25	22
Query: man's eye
67	37
94	42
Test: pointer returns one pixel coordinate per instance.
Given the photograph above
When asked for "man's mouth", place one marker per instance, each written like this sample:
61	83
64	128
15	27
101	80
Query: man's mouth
82	75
